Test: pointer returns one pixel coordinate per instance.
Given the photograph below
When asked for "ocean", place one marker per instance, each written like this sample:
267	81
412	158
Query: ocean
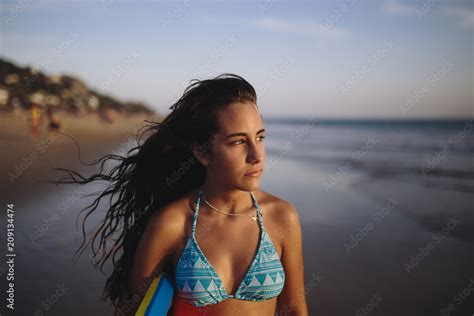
386	209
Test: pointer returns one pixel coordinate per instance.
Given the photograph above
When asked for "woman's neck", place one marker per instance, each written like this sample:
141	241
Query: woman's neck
230	201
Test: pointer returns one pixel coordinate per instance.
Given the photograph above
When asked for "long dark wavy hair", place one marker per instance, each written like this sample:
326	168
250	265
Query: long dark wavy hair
152	174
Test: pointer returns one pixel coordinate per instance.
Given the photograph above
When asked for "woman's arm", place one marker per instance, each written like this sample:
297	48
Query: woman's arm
157	243
292	300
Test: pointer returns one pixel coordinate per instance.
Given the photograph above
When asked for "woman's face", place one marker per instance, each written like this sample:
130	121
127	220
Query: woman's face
238	148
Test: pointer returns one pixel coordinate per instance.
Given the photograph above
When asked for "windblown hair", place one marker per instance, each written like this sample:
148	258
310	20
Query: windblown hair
152	174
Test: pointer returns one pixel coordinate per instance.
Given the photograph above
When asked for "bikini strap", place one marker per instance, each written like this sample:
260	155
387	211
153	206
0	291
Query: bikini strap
259	211
196	211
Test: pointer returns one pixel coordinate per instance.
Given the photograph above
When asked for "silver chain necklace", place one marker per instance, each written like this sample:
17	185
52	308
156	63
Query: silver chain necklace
254	217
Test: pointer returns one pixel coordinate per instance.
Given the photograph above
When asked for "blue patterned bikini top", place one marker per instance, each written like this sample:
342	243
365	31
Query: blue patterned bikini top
197	282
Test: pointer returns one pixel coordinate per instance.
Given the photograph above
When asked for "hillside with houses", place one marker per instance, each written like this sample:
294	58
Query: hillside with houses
22	88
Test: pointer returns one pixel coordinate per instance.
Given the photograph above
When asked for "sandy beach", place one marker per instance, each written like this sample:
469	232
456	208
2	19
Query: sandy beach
45	232
25	158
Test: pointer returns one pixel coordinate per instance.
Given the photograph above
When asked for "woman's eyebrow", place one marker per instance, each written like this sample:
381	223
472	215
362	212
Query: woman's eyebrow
242	134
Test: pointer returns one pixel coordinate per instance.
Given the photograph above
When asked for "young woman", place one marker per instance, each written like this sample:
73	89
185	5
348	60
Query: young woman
189	204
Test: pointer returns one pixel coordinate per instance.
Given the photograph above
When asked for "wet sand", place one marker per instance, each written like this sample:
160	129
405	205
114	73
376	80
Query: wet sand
366	255
46	278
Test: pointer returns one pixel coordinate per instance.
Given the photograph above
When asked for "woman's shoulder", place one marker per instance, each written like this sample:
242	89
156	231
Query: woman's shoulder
279	209
169	225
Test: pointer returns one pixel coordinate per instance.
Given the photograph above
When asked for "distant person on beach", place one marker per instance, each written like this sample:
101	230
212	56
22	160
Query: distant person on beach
54	123
108	115
190	208
35	121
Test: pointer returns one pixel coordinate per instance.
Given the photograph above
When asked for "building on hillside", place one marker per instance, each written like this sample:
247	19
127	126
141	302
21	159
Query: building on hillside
4	95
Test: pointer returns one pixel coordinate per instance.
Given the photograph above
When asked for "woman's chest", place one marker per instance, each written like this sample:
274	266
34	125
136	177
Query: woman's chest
226	242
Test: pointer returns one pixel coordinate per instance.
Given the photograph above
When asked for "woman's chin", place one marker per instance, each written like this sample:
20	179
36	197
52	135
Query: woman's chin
251	184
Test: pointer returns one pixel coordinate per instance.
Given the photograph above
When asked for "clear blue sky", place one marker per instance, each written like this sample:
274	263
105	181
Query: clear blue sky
338	59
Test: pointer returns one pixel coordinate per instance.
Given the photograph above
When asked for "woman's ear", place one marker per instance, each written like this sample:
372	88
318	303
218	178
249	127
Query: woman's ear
202	151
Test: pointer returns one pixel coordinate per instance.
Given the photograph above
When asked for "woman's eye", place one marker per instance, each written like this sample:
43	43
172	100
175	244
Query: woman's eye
237	142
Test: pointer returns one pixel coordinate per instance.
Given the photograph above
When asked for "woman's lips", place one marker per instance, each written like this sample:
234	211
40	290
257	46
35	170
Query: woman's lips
254	174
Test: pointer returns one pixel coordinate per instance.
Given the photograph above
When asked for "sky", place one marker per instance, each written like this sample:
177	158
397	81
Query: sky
327	59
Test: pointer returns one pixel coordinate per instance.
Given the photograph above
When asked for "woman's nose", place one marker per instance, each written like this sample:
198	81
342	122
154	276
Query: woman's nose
256	151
